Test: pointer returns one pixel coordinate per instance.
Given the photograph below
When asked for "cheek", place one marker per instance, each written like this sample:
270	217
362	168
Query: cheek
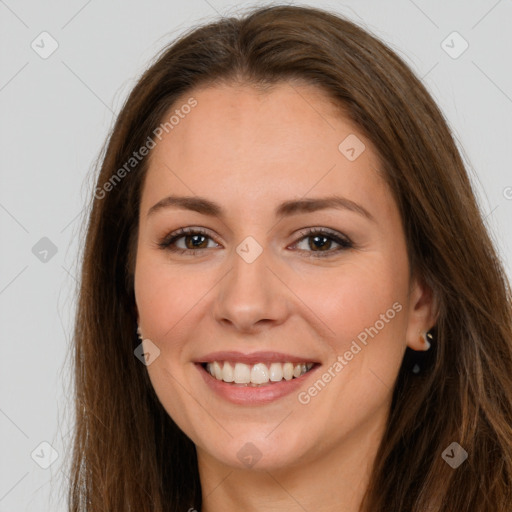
363	306
357	298
166	300
165	295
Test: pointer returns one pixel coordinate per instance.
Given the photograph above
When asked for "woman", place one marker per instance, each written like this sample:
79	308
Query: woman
289	300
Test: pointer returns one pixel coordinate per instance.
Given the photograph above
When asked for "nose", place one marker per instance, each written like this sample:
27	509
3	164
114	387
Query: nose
252	296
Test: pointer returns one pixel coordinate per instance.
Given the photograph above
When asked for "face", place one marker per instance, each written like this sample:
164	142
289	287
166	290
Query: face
284	268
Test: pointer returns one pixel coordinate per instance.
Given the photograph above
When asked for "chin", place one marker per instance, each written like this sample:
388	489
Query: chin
255	451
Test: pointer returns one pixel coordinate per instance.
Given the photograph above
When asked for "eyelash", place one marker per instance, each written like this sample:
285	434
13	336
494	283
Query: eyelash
344	242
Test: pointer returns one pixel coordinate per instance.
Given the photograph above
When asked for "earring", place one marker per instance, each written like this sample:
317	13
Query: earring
418	360
426	337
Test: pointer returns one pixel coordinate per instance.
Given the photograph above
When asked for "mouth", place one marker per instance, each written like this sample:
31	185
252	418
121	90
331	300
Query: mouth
256	375
255	379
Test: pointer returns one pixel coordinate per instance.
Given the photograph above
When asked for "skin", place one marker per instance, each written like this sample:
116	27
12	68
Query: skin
249	151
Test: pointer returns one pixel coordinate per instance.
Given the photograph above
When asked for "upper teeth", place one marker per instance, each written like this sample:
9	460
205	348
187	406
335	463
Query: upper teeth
259	373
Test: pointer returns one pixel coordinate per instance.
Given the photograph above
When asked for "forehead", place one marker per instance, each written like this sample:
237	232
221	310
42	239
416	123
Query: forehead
250	146
241	116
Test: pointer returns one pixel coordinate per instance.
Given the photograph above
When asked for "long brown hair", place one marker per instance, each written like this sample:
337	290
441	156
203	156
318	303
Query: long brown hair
128	455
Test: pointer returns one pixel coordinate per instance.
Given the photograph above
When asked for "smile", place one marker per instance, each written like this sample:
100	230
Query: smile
257	374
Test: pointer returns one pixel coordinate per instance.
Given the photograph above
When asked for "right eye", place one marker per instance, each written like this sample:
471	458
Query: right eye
194	239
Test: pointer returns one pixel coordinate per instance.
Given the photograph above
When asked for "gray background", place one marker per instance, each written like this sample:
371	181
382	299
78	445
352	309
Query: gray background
56	113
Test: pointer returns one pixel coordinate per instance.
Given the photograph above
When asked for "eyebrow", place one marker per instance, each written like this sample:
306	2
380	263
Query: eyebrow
287	208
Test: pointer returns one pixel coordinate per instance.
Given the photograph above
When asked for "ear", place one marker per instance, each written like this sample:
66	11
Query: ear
422	309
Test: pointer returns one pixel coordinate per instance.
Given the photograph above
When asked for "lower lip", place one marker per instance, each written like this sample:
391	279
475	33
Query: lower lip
251	395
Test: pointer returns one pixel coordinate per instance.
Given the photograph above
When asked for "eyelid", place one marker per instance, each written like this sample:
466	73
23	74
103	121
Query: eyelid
182	232
339	238
324	231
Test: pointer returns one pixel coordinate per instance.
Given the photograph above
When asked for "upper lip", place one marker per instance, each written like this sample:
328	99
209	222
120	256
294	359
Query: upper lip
254	357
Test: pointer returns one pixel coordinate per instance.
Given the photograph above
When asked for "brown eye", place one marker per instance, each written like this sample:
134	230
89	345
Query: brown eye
321	241
187	240
194	241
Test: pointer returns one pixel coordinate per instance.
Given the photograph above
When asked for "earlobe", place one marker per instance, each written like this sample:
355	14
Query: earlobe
425	340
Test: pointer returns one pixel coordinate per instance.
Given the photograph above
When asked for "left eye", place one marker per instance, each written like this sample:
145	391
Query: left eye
318	242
